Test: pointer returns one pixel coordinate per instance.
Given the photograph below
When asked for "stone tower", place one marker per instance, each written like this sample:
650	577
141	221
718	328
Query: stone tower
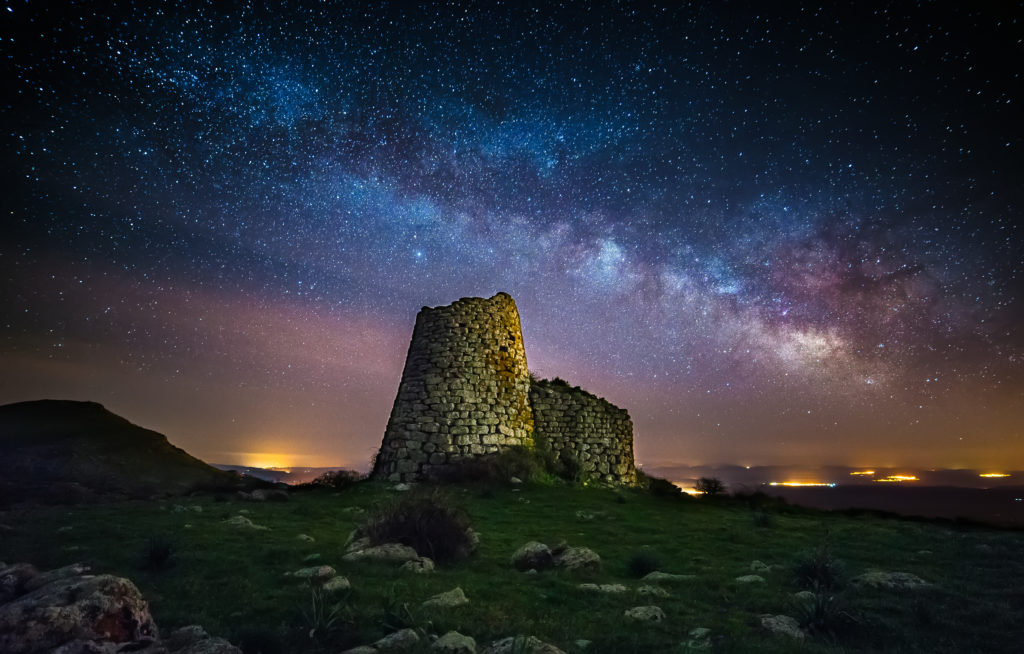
465	389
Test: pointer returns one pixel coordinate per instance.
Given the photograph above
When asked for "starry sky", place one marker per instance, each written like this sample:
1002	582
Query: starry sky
777	233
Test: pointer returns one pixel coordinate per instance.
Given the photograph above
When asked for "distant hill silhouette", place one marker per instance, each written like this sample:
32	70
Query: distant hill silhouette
65	451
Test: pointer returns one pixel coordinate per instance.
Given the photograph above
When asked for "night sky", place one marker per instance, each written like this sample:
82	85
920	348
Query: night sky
775	233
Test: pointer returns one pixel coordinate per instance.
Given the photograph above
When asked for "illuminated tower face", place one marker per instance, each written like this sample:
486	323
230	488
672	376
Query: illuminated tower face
465	389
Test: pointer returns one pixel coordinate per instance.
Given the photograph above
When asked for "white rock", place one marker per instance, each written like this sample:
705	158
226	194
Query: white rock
306	538
454	643
521	645
533	555
400	641
422	565
578	558
700	638
242	522
401	487
653	591
750	579
388	553
317	572
782	625
645	614
666	578
758	566
335	584
603	588
515	480
451	598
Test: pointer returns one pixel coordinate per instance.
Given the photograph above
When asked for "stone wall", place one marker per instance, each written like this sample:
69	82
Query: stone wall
465	389
574	423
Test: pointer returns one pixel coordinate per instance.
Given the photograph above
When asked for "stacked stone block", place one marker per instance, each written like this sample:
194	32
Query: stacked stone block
465	390
574	423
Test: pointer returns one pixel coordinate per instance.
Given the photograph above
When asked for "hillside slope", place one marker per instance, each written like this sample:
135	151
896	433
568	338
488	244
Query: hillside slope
59	450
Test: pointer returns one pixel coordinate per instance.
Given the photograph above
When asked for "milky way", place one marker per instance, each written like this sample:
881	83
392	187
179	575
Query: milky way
775	235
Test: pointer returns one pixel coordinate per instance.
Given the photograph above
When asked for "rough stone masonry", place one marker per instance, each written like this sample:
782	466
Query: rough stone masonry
466	391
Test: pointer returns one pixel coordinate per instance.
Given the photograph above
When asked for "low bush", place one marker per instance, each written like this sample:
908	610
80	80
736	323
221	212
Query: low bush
428	522
818	570
825	616
710	486
334	479
762	518
661	487
525	463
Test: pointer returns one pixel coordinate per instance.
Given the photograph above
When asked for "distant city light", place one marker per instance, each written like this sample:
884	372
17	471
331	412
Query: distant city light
862	472
803	483
994	474
898	478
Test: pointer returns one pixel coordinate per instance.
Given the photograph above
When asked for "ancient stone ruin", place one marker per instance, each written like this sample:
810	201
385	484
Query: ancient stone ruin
466	391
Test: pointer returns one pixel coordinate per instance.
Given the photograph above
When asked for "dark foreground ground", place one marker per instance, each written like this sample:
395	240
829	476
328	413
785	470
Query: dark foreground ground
196	566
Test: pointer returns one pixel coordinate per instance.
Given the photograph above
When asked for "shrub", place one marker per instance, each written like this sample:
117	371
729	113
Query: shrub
428	522
525	463
663	488
818	570
710	486
643	563
336	479
762	518
321	618
824	616
157	554
569	467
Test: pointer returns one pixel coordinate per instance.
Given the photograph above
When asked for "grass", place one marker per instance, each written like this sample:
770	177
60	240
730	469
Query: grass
230	580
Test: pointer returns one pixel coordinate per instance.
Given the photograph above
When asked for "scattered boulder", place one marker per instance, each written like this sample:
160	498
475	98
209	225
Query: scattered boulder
521	645
43	578
353	509
401	488
533	555
578	559
193	639
603	588
422	565
306	538
454	643
100	608
657	577
653	591
584	516
515	481
362	649
645	614
750	579
242	522
335	584
387	553
890	580
13	579
759	567
312	558
700	638
804	596
358	544
451	598
782	625
400	641
315	573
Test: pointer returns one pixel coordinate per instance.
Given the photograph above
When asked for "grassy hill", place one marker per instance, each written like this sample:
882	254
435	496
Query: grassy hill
232	579
57	450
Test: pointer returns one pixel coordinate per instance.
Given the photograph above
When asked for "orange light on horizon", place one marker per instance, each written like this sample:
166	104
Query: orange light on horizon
995	475
803	483
689	490
898	478
862	472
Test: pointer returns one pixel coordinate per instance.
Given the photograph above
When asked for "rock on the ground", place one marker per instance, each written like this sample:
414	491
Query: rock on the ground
758	566
890	580
312	558
43	578
454	643
657	577
578	559
515	480
401	488
782	625
362	649
422	565
603	588
400	641
653	591
315	573
804	596
533	555
91	608
387	553
13	579
335	584
645	614
242	522
453	597
193	639
521	645
750	579
700	638
306	538
357	544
